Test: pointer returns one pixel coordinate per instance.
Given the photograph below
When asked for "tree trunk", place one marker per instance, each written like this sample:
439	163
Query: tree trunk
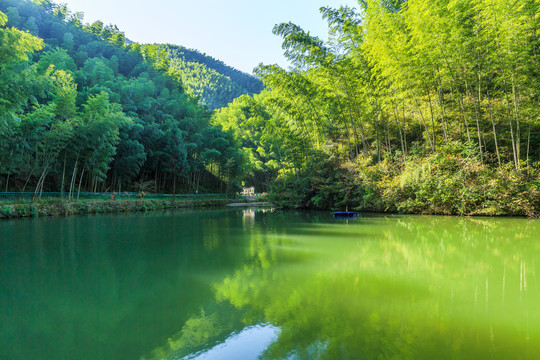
156	183
348	131
27	180
443	117
424	123
516	111
514	153
70	197
441	104
466	123
41	189
399	128
228	181
528	148
378	141
478	130
174	186
404	130
9	173
63	177
494	129
80	182
432	118
39	186
90	182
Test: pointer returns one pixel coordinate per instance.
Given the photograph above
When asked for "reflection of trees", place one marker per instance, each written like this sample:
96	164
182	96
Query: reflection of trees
219	319
398	287
108	287
403	287
200	332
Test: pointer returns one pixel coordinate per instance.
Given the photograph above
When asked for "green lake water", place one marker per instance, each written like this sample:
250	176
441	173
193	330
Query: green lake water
255	283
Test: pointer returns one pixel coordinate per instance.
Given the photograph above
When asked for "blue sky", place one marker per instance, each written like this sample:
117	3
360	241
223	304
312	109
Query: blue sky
238	32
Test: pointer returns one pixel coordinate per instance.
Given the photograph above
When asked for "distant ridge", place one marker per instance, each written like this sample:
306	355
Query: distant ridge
215	83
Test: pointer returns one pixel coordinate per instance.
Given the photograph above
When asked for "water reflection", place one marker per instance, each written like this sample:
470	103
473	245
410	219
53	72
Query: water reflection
107	287
250	343
275	285
391	287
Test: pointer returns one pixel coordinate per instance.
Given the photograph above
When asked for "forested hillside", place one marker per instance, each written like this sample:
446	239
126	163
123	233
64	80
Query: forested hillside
420	106
412	106
80	109
215	83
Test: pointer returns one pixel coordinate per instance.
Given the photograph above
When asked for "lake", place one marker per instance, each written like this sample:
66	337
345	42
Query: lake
258	283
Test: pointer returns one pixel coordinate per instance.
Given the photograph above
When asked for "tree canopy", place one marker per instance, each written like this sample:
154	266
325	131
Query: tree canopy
82	107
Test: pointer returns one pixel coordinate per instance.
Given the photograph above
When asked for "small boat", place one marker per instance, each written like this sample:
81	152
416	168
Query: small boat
345	215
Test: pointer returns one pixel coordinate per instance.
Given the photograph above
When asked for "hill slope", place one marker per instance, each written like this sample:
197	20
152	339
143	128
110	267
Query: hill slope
215	83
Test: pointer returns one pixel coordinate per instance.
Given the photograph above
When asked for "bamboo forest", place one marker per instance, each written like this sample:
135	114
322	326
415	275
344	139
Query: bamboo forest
415	107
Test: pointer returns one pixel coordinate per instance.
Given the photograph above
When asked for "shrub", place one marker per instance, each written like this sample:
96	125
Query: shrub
453	180
6	211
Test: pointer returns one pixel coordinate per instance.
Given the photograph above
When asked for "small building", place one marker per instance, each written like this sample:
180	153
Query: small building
248	191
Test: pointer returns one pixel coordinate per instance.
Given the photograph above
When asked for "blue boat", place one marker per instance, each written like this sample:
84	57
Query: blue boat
345	215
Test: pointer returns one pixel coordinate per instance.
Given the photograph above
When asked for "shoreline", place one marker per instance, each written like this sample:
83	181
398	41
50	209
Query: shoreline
83	207
248	204
87	207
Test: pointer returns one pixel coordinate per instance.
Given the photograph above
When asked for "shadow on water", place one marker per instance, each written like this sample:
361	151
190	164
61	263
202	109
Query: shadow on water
294	285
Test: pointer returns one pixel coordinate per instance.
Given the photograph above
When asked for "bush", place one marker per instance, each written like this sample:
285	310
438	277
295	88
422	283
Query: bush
6	211
27	210
453	180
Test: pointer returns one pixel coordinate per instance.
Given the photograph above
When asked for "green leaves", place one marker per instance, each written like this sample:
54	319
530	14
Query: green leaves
15	45
300	47
3	19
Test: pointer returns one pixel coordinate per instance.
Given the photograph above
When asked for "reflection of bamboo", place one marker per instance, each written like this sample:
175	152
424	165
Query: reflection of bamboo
492	338
521	283
525	276
521	277
487	294
503	285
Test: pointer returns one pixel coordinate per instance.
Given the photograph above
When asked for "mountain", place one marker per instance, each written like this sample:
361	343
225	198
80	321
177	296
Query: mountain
212	81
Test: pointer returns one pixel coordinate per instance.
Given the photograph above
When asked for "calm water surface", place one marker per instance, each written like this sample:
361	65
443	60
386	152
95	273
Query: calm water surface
248	284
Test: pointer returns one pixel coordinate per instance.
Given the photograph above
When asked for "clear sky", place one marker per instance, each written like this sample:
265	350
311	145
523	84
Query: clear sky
238	32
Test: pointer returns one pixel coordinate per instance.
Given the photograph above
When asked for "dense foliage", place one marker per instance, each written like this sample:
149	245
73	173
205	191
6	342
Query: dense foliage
215	83
414	106
81	109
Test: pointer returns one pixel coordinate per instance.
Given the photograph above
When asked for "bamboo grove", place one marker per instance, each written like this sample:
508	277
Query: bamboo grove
407	107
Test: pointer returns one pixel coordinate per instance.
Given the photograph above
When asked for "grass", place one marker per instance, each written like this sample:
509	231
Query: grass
57	207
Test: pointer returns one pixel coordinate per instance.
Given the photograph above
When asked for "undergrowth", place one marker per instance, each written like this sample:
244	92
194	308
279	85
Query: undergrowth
452	181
